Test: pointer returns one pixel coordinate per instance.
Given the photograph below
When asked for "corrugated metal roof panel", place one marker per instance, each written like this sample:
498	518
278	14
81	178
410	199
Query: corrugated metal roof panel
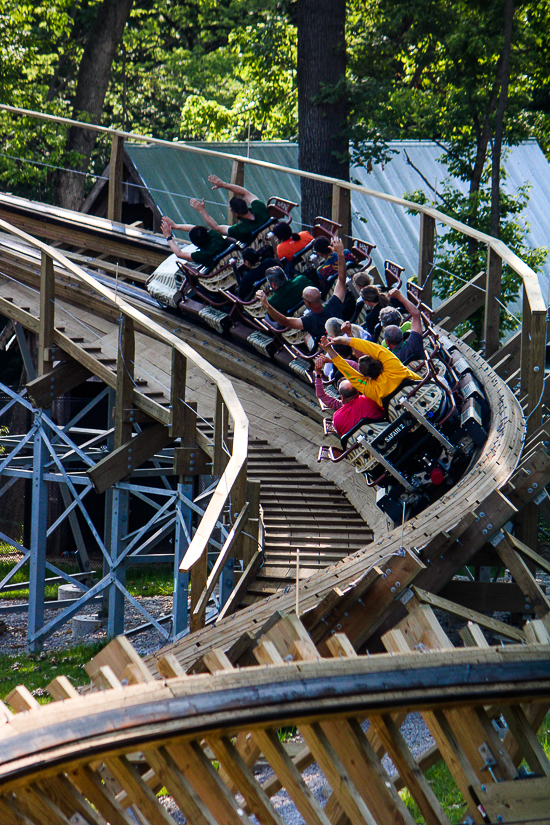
174	176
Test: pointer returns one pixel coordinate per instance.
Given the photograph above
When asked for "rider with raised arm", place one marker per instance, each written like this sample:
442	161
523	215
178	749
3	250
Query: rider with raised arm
314	321
209	242
251	213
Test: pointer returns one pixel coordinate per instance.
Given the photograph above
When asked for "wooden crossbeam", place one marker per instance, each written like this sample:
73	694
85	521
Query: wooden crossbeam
129	456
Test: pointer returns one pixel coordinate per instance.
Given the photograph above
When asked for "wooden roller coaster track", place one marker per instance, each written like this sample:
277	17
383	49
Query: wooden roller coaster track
202	719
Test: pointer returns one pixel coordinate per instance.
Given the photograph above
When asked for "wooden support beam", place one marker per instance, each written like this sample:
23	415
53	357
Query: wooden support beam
116	168
341	209
60	688
124	380
508	552
127	457
408	768
118	654
221	561
491	328
426	256
470	615
179	419
462	304
237	179
20	698
241	587
47	315
62	378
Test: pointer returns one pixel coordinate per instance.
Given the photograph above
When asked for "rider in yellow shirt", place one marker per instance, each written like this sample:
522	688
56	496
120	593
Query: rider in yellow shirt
380	372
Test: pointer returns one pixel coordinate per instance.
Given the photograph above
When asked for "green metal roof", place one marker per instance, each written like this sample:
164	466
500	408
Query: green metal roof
173	176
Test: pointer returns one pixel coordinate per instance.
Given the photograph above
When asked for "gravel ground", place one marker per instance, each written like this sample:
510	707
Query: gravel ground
13	639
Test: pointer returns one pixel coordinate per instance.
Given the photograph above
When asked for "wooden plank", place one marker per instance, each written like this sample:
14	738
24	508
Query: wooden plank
21	699
526	739
470	615
237	179
62	378
515	802
100	796
118	654
193	763
129	456
62	791
341	209
530	554
472	635
249	539
179	417
47	315
169	667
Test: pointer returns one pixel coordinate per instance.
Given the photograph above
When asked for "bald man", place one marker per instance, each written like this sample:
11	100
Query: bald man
319	313
351	408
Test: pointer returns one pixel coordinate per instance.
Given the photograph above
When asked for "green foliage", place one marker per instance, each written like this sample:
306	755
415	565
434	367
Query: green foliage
459	259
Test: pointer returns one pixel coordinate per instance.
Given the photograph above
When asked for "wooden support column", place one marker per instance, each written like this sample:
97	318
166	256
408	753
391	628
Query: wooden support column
341	208
124	381
426	256
525	342
535	379
119	499
237	179
47	315
114	203
492	307
179	380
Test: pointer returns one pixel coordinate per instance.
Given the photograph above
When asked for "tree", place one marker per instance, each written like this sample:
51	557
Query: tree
91	87
322	100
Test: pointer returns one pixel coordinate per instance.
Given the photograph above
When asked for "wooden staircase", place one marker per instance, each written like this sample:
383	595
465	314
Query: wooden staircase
302	511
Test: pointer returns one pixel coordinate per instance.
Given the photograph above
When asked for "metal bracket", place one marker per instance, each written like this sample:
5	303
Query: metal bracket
425	423
386	464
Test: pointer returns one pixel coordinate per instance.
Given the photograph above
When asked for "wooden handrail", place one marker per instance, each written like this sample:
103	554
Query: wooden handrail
237	461
529	277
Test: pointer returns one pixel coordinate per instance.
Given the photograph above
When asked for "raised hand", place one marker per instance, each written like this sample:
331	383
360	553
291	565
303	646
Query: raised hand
197	204
168	222
338	245
216	181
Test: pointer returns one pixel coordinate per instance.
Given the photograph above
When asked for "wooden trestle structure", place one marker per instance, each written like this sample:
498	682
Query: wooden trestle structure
344	660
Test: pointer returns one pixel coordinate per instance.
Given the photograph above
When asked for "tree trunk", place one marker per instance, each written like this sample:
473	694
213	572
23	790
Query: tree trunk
499	119
322	108
93	79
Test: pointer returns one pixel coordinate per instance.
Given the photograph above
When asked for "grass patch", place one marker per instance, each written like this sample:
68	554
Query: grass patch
141	580
37	671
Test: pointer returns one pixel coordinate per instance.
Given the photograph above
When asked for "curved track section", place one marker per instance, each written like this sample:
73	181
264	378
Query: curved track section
164	723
